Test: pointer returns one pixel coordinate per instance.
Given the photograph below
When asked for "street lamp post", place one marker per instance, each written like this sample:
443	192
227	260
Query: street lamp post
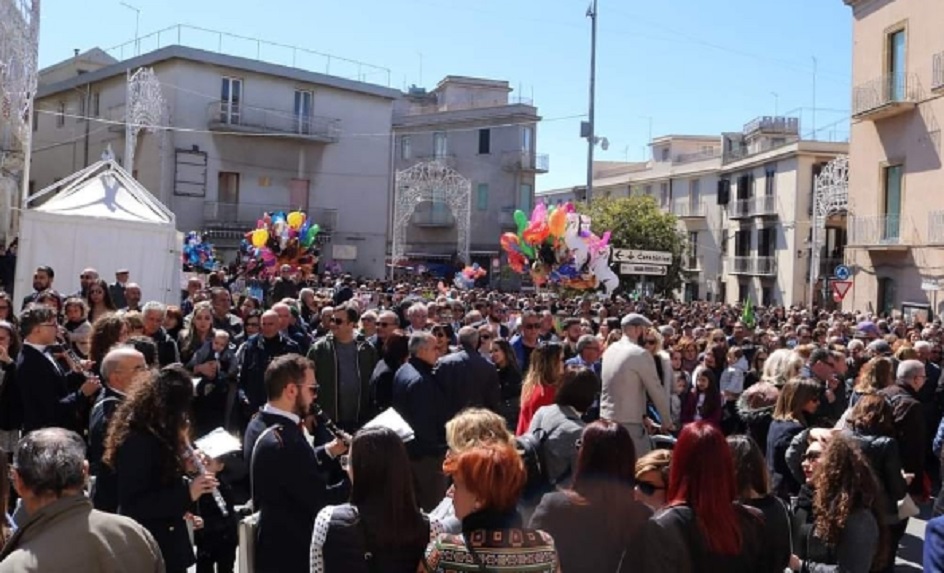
591	131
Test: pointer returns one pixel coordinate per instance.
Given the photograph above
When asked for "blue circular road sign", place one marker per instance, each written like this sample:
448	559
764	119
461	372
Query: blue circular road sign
842	272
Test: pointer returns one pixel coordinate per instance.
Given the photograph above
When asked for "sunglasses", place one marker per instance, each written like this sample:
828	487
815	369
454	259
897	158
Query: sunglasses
647	488
486	337
338	321
531	326
651	342
384	324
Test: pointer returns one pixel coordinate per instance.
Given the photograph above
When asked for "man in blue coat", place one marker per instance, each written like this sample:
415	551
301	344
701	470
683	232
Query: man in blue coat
934	545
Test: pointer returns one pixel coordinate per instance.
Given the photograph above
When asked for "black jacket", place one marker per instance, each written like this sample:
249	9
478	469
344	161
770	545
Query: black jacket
883	456
424	404
470	380
345	543
45	393
159	505
105	492
910	432
776	534
166	348
290	485
258	354
381	387
782	482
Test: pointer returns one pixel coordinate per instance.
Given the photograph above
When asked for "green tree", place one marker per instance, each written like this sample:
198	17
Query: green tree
638	223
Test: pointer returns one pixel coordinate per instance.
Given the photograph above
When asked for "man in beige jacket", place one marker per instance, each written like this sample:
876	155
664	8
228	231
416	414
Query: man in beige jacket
629	376
61	531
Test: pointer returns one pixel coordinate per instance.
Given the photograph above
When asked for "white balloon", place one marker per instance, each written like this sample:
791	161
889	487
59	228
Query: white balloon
601	269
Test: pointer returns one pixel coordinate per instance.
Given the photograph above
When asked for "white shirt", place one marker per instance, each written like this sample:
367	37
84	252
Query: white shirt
270	409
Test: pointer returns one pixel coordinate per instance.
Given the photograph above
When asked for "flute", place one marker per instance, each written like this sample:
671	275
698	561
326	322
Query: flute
217	496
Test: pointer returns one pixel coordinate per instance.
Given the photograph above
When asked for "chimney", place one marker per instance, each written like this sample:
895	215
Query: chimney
75	52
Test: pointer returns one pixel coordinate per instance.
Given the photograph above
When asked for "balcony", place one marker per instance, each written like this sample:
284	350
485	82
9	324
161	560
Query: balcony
886	96
774	125
525	161
691	263
882	232
937	71
762	206
432	215
447	159
232	220
761	266
687	210
936	228
225	117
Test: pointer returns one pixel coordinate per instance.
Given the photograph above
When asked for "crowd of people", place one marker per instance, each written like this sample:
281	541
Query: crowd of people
547	433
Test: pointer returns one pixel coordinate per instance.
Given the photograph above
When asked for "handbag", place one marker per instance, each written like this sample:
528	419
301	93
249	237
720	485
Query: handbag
249	526
907	508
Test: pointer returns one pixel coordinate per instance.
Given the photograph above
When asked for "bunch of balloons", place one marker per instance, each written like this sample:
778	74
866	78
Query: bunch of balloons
558	247
198	255
281	239
465	279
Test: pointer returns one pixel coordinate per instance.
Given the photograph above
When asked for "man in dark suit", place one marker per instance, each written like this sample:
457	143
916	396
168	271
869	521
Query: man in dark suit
470	379
154	327
291	481
260	350
42	280
117	289
120	367
43	386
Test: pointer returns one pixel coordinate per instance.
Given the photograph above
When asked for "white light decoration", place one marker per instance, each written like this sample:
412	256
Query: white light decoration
19	53
428	181
830	197
144	110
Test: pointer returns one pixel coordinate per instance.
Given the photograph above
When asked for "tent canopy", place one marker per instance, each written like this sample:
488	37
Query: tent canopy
100	217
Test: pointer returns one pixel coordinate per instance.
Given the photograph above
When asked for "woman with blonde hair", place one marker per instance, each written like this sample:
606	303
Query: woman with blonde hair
781	365
540	384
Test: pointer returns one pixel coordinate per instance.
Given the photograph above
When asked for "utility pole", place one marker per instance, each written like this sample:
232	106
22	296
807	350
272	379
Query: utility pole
814	97
591	131
776	102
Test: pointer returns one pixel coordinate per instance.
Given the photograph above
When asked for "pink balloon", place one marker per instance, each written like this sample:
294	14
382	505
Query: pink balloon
539	214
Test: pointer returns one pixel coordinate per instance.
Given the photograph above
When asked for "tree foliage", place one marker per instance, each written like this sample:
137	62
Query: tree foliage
637	222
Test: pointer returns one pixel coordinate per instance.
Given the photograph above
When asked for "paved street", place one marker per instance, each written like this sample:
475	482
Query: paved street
909	559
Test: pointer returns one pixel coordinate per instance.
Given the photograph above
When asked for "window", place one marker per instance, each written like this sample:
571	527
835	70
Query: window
228	189
742	291
440	145
61	114
525	197
766	241
742	243
648	190
767	296
665	154
96	104
896	66
891	207
481	197
886	295
231	96
665	194
304	101
406	147
80	117
485	141
693	250
439	210
770	180
527	139
694	193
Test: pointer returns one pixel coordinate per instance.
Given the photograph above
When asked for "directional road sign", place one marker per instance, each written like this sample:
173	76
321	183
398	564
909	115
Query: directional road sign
842	272
642	257
637	269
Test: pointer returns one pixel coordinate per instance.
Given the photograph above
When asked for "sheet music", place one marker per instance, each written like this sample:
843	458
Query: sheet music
218	443
392	420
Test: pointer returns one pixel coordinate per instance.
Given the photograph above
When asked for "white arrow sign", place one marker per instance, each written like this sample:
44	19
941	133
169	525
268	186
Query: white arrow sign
642	257
650	270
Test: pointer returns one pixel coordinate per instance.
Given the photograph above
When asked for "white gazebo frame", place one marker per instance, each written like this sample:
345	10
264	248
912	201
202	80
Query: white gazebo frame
429	181
830	197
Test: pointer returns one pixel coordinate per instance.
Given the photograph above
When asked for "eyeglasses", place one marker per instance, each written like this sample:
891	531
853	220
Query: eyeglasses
531	326
486	337
338	321
647	488
651	342
384	324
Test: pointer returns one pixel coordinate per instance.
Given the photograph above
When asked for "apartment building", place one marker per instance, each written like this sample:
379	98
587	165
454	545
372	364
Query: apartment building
246	136
744	201
476	128
896	214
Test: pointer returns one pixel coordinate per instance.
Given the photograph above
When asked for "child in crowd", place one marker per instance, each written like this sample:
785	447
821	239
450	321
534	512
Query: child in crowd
732	384
703	402
212	401
78	328
679	389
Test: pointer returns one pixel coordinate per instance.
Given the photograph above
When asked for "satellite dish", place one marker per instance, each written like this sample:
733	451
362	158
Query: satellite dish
604	143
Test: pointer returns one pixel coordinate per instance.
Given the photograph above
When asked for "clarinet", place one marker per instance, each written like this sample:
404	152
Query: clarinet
217	496
330	425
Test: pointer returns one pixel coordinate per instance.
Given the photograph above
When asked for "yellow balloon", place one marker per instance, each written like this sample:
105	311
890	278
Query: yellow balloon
557	222
296	219
259	238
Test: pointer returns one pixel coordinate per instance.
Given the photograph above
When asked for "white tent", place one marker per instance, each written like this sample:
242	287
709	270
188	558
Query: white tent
102	218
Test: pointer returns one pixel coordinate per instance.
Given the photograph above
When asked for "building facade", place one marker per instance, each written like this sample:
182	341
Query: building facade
244	137
896	213
744	202
475	128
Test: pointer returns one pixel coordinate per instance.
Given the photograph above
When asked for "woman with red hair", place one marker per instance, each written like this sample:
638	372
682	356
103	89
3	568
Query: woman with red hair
701	524
488	480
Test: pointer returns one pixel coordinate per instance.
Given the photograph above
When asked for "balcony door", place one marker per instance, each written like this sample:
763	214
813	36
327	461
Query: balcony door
440	145
896	66
231	96
891	207
304	102
694	196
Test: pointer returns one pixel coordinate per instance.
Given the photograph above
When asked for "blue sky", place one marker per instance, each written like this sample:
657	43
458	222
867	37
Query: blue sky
692	66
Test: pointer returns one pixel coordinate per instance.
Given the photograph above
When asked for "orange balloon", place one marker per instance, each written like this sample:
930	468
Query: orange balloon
536	233
557	222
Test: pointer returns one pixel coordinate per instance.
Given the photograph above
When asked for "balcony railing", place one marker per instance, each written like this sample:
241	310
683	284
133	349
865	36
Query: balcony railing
885	96
224	116
764	145
877	231
688	210
433	215
683	158
761	206
753	265
246	214
936	228
773	124
690	263
937	71
526	161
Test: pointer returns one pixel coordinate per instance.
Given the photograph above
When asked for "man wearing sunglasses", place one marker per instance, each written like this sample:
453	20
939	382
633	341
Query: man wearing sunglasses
527	339
629	376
